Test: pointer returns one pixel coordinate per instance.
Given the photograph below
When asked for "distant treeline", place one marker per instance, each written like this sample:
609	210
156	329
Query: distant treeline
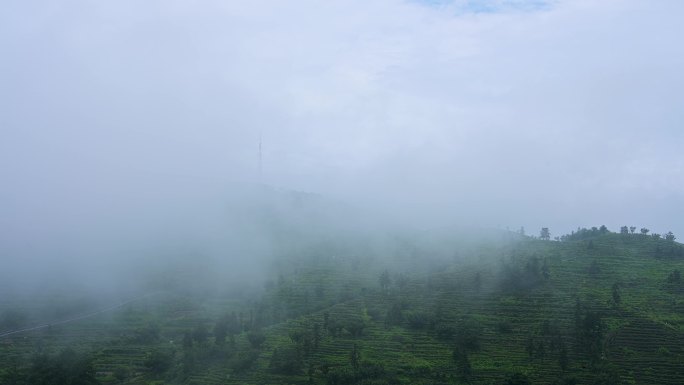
585	233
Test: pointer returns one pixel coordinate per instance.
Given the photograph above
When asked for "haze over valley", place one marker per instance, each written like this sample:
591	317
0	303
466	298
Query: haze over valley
377	192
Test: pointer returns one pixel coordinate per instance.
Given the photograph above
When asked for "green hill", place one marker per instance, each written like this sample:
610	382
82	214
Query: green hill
435	308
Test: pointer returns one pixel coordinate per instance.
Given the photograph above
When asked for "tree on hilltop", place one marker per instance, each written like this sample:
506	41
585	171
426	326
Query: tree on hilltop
544	234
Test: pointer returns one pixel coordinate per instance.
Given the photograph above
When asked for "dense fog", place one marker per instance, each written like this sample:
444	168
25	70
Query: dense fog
138	138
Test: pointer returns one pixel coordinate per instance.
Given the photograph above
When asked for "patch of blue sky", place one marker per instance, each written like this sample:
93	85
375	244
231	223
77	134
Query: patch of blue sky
491	6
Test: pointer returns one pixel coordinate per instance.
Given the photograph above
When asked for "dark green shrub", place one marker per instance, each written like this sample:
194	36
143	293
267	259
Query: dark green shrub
243	361
286	360
256	339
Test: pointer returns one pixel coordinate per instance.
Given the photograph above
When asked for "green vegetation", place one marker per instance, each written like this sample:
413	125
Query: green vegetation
595	308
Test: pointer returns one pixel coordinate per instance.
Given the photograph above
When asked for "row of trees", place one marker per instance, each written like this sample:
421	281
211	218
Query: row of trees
306	338
400	281
521	276
584	233
226	326
625	230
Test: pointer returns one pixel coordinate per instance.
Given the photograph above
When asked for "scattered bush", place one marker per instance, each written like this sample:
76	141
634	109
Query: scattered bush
67	367
419	320
286	360
158	361
146	335
243	361
256	339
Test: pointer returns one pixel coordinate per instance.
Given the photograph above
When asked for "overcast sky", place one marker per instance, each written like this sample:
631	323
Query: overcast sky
499	113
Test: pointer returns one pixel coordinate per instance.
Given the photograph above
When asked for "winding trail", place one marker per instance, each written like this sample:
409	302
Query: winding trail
77	318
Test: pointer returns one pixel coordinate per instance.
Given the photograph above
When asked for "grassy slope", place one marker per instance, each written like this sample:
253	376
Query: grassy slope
644	340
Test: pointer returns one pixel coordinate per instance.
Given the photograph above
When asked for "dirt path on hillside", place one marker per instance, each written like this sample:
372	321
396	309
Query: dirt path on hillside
76	318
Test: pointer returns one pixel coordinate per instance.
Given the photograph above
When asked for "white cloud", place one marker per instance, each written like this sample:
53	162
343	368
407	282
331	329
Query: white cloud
565	114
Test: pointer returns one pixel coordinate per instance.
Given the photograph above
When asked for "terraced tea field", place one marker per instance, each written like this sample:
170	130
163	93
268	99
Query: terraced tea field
602	310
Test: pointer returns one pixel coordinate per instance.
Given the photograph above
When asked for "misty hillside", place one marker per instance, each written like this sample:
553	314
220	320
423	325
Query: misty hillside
306	192
432	307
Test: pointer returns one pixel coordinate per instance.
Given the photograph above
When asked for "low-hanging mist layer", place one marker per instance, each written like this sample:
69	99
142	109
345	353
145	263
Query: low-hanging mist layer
129	130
